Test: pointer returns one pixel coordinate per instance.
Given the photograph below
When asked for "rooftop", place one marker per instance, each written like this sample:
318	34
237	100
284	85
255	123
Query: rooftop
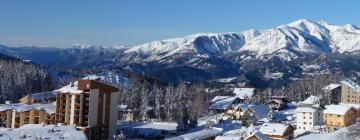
242	93
331	87
273	128
341	109
351	84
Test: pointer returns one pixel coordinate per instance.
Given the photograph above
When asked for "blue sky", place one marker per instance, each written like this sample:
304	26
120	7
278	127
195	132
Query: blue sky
62	23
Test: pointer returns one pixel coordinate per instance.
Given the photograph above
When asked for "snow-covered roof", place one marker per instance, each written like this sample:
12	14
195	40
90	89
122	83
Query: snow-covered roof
48	132
242	93
312	100
123	107
4	107
356	106
337	109
228	137
260	136
70	88
308	108
273	128
217	98
261	110
19	107
351	84
42	95
199	135
331	87
223	104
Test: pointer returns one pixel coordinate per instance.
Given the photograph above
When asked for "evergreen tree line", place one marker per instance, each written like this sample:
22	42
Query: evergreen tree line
19	78
165	103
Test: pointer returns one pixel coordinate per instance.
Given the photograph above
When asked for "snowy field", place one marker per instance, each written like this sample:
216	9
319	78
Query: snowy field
39	132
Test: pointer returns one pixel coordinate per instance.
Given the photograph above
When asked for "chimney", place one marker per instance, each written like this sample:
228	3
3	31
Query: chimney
72	84
8	102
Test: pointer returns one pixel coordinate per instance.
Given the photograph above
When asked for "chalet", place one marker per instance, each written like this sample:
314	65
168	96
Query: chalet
221	105
244	93
278	102
333	91
350	92
125	113
337	116
5	115
258	136
44	97
277	131
256	111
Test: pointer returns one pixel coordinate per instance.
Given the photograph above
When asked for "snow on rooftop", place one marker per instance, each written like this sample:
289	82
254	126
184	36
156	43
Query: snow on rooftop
19	107
341	109
48	132
307	108
217	98
223	104
242	93
312	100
260	136
273	128
351	84
199	135
70	88
331	87
261	110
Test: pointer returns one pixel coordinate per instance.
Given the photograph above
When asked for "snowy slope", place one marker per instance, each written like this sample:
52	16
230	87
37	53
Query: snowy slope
299	37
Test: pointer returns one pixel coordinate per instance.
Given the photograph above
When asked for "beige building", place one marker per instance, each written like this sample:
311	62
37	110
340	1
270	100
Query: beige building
337	116
350	92
17	115
90	105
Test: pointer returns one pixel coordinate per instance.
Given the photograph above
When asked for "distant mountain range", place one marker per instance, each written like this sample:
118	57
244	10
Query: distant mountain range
253	55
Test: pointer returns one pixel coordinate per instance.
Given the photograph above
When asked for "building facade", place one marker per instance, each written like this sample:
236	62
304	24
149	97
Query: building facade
350	92
337	116
90	105
308	116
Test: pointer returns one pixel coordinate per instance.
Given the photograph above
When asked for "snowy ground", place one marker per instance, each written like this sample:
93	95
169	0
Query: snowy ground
336	135
37	131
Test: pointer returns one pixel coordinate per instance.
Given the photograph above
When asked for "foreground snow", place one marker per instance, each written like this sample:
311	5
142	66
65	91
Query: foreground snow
37	131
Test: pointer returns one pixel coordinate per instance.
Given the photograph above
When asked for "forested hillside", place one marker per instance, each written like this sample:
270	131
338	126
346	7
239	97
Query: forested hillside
19	77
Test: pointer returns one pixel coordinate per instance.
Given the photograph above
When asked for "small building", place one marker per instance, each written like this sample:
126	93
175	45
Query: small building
255	111
244	93
278	102
333	91
125	113
43	97
308	116
258	136
337	116
350	92
220	106
277	131
5	115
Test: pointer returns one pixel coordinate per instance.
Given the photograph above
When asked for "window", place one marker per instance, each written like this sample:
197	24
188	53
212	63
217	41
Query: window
304	117
310	117
338	115
310	123
304	122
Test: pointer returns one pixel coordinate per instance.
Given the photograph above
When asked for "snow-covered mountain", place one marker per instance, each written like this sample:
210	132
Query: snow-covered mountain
289	40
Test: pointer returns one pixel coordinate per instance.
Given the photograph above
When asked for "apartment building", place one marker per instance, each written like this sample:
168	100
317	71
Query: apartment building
90	105
350	92
17	115
337	116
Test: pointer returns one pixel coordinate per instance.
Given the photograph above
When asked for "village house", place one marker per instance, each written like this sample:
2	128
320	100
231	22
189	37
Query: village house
333	92
221	105
256	112
277	103
244	94
125	113
90	105
337	116
207	134
277	131
309	114
350	92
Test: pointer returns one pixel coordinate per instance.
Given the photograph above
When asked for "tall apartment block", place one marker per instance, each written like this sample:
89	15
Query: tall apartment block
90	105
